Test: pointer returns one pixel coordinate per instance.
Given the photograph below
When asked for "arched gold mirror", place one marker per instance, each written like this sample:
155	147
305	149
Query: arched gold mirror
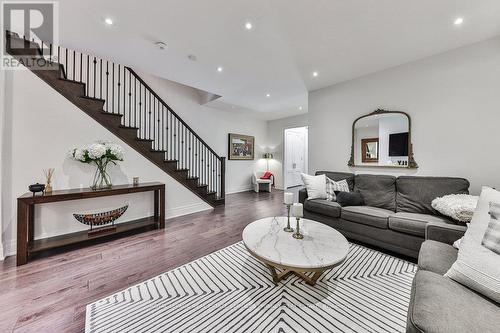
382	139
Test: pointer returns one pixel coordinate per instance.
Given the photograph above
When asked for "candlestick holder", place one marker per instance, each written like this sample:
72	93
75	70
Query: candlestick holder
288	228
297	233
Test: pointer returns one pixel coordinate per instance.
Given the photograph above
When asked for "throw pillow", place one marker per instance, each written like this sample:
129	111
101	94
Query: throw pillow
459	207
477	267
333	187
350	199
315	186
491	239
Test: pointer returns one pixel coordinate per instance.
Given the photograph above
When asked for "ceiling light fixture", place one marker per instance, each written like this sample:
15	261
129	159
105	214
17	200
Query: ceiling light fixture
315	74
459	21
220	69
248	26
268	95
108	21
300	108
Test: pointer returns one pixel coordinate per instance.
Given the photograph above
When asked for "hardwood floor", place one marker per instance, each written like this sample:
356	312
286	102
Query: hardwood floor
50	294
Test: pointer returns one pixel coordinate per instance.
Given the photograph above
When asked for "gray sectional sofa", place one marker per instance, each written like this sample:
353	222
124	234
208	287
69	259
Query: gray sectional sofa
396	210
439	304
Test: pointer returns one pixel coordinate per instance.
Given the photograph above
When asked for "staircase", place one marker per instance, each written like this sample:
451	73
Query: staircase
118	99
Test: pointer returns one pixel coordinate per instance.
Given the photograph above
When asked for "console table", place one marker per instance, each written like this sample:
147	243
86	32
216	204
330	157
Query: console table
27	245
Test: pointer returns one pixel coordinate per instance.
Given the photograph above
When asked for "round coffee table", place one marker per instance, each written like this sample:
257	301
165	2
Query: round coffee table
321	248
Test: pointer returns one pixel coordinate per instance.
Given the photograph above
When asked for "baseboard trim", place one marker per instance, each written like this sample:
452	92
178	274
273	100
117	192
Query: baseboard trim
239	190
187	209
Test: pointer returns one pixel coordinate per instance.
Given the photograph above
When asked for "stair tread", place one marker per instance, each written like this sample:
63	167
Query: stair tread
128	127
192	178
181	170
171	161
158	151
202	185
112	114
72	81
94	99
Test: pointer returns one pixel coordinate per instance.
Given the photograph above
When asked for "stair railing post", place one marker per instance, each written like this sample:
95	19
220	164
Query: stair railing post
222	177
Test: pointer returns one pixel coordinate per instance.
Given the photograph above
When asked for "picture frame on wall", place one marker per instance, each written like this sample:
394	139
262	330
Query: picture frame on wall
241	147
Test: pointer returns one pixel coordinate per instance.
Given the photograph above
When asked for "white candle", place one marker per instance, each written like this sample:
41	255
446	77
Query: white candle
288	198
298	210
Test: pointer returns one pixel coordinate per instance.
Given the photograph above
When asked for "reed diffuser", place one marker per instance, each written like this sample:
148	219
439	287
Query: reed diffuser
48	176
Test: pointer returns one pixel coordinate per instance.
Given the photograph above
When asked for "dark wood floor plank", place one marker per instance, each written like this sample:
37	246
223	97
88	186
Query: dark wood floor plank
49	294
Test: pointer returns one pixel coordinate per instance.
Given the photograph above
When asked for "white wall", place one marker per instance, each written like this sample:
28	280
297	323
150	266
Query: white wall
2	132
41	126
275	143
452	98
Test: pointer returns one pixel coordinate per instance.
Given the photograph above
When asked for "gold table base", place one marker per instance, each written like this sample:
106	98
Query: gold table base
277	277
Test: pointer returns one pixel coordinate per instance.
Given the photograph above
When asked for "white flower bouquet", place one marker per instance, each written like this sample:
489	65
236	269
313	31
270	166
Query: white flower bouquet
100	153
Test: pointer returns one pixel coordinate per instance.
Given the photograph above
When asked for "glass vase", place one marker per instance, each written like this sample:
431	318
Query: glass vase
101	178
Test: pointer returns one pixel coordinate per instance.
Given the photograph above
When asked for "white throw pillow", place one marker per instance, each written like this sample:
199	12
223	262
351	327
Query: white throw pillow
477	267
315	186
459	207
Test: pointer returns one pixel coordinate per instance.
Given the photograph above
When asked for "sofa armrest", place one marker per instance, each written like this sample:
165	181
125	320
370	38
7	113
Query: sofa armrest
443	232
302	195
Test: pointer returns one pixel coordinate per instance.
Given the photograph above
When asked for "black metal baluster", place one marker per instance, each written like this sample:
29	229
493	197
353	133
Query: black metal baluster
81	67
135	101
50	53
100	79
124	97
94	62
113	88
74	66
140	110
107	86
66	62
154	122
118	88
58	54
129	100
88	75
149	109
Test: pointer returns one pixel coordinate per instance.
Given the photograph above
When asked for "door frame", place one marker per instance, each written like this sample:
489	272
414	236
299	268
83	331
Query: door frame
306	153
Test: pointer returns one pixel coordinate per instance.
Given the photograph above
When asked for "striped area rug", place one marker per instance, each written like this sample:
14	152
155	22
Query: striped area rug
230	291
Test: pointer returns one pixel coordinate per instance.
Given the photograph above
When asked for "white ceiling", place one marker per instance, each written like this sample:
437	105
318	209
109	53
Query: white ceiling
341	39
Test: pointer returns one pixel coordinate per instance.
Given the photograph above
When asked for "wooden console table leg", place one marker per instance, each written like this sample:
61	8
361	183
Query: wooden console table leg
22	233
31	223
162	208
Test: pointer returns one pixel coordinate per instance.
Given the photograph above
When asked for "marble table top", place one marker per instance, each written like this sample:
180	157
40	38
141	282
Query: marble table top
321	247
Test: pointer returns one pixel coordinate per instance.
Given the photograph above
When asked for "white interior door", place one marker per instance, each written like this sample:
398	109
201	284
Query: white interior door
295	156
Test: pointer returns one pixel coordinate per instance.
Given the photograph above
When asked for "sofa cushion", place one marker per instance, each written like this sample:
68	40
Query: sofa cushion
322	206
436	257
377	190
415	194
350	199
338	176
372	216
439	304
412	223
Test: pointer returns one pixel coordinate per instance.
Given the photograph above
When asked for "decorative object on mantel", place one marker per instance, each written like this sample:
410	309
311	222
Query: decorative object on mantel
135	181
35	188
459	207
101	219
382	139
100	153
48	182
298	212
240	147
288	201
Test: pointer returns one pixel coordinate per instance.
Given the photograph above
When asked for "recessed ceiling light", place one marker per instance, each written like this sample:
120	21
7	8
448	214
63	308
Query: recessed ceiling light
459	20
300	108
268	95
192	57
108	21
220	69
162	46
248	26
315	74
